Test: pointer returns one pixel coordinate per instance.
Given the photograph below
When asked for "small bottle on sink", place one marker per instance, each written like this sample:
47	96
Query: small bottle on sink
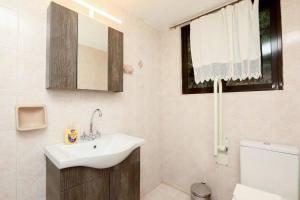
70	136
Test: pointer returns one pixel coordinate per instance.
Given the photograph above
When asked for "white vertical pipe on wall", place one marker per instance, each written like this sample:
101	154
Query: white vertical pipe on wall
221	146
220	113
216	117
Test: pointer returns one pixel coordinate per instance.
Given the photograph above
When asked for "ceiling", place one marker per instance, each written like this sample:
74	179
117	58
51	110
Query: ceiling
162	14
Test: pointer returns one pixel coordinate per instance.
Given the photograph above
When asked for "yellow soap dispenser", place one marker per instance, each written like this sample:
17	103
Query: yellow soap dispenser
71	134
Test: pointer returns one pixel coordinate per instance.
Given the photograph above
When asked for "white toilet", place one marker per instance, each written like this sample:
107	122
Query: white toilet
268	172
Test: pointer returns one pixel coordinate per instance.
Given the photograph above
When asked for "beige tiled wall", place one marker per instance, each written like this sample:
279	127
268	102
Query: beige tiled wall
187	120
22	81
178	128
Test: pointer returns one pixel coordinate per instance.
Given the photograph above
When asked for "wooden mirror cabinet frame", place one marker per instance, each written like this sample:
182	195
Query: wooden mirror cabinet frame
62	51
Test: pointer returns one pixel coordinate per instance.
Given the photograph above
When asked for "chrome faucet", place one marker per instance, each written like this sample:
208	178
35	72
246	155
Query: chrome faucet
93	134
92	118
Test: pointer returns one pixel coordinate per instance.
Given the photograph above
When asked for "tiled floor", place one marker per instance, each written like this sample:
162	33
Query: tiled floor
165	192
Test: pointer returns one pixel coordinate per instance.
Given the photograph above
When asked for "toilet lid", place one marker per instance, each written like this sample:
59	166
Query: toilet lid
243	192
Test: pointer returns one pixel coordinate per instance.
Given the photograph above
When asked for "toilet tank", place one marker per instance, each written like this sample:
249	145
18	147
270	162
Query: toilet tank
270	167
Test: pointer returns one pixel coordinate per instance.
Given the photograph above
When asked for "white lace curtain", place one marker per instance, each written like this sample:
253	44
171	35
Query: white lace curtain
226	44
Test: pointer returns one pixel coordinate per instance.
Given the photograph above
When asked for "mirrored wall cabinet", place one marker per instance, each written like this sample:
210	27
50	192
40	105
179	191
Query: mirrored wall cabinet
82	53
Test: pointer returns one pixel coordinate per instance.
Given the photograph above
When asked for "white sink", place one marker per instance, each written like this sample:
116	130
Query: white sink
105	152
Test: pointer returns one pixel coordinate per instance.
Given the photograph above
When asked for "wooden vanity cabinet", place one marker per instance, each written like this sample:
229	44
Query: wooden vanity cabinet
121	182
125	179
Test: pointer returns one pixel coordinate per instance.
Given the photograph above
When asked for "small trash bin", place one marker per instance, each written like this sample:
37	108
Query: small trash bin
200	191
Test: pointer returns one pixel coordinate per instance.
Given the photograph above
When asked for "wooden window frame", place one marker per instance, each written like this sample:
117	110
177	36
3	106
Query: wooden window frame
276	45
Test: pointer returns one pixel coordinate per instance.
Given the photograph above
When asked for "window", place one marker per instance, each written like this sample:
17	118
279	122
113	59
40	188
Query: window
271	50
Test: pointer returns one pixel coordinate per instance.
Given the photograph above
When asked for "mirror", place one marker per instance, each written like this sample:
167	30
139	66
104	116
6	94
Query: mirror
92	58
